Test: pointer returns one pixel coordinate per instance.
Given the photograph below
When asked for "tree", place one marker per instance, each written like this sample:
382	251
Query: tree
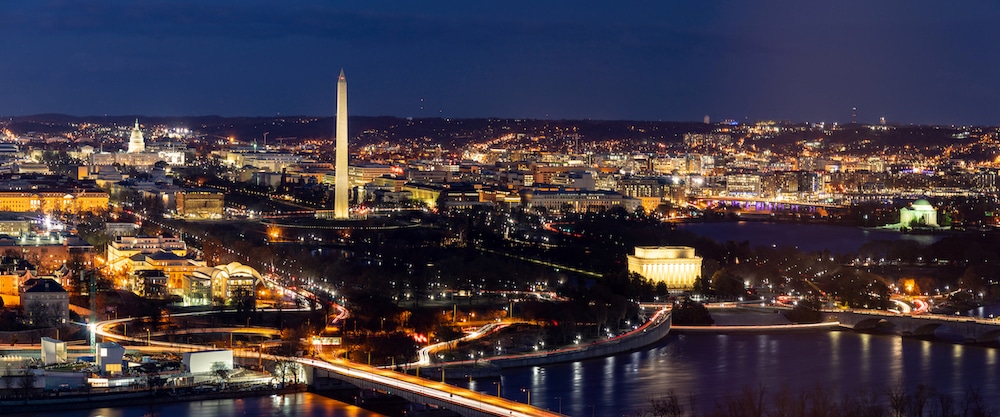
727	284
806	310
27	381
221	370
667	406
243	299
287	372
691	313
703	285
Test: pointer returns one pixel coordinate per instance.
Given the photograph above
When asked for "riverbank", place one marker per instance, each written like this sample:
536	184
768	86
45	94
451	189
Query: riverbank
131	398
753	320
654	330
776	328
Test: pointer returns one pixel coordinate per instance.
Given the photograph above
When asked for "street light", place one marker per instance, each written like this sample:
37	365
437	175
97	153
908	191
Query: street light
560	404
148	338
497	383
526	390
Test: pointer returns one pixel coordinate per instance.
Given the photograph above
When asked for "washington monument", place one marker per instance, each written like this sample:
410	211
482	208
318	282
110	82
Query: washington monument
340	206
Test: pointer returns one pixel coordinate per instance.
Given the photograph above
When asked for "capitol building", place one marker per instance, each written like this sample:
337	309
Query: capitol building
137	154
675	266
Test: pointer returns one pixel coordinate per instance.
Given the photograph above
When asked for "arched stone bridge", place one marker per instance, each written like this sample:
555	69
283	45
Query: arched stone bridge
971	329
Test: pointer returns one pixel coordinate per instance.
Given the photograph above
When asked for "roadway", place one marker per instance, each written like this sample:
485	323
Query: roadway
388	380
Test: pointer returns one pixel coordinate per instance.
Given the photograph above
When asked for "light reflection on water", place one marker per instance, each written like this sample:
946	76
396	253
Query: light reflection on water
714	367
707	367
291	405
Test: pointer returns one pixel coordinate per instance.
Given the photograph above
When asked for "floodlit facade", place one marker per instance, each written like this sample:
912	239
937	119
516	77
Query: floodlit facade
207	361
225	280
68	201
136	143
124	247
201	204
53	351
340	204
675	266
920	213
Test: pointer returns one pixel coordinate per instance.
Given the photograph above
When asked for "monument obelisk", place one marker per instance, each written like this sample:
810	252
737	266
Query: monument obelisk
340	206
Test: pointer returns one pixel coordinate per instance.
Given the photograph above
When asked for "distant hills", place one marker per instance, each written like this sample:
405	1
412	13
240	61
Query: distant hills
373	128
456	132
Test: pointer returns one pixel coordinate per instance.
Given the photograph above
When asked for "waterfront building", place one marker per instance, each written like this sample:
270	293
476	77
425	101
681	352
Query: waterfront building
675	266
743	184
207	361
920	214
53	351
110	357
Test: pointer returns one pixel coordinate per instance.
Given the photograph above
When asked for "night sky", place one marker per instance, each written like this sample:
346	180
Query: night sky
913	61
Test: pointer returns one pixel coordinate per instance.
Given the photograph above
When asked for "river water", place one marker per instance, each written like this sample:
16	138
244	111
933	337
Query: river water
290	405
714	367
805	236
707	367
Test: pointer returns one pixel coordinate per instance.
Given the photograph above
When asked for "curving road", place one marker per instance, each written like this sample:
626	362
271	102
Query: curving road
436	391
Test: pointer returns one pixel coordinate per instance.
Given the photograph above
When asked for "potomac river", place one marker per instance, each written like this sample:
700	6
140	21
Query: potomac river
709	367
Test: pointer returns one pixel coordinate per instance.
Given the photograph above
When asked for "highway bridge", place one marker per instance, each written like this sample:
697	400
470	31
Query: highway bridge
972	329
764	205
463	401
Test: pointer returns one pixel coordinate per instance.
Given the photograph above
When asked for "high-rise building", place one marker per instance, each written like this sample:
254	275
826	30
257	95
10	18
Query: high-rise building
136	143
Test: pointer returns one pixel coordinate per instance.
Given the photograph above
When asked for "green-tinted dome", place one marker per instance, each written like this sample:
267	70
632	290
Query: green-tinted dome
922	202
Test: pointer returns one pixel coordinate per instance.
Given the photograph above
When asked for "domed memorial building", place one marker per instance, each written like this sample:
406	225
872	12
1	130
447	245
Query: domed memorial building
920	214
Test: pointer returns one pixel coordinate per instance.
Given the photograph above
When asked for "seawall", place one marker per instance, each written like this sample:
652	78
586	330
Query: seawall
650	333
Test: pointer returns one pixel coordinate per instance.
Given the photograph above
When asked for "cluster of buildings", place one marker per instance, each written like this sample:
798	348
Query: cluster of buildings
141	171
110	366
555	168
160	267
43	297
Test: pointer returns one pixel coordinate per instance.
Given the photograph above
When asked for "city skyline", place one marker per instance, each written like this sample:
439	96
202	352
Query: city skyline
913	62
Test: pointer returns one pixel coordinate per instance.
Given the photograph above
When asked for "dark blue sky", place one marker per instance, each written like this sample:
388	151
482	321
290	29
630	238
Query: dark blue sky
912	61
